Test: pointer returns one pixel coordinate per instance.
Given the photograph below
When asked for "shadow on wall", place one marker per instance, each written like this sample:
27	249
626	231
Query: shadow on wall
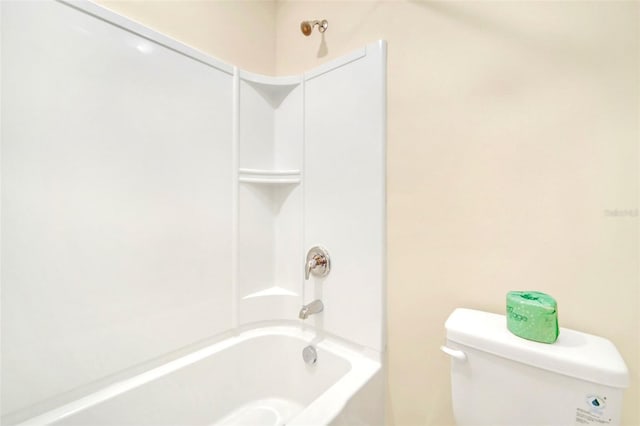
323	50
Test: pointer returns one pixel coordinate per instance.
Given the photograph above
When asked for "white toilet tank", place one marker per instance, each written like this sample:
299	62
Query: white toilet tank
501	379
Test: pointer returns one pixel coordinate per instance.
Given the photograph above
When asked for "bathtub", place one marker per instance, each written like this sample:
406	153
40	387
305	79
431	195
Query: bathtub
257	377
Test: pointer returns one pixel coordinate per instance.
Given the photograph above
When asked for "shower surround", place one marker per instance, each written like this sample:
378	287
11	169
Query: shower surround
157	206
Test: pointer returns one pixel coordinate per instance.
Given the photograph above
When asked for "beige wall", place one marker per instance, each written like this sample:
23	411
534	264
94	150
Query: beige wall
512	127
238	32
512	131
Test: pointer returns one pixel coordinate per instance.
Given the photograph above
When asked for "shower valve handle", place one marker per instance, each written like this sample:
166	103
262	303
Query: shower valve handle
317	263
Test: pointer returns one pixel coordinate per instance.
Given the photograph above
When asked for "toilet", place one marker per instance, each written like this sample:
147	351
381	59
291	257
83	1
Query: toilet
498	378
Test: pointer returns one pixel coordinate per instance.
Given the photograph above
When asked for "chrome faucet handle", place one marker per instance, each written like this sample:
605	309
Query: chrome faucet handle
318	262
308	267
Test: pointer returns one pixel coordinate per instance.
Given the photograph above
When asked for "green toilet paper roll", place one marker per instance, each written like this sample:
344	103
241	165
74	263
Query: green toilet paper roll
532	315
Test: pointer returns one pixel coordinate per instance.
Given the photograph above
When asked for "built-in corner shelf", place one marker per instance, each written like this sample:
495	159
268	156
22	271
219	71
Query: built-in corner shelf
275	177
274	89
271	291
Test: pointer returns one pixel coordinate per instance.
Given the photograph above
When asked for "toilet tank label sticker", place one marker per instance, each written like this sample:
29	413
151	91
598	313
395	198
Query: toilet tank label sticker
593	412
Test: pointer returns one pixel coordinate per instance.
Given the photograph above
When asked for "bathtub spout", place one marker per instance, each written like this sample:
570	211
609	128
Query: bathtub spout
312	308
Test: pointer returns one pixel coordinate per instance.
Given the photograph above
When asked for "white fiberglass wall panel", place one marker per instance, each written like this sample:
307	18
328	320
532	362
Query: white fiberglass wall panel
116	200
345	192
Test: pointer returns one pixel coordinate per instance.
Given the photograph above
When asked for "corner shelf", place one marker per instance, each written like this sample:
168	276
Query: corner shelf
277	177
273	89
271	291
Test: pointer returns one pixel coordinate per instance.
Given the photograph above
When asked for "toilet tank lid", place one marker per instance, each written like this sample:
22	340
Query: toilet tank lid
574	354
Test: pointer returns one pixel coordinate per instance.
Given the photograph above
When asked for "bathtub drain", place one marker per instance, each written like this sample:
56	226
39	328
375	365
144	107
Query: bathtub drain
310	355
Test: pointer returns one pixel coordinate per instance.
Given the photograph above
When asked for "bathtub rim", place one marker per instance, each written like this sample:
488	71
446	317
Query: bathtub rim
364	363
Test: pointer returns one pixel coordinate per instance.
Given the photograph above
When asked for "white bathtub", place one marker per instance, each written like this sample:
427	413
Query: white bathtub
255	378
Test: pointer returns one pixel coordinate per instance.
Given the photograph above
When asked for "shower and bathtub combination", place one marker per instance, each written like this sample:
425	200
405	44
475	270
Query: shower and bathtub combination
183	241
